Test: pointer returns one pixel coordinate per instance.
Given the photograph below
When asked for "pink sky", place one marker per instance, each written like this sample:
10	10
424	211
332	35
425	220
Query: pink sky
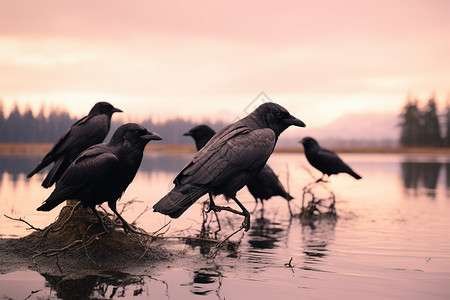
319	59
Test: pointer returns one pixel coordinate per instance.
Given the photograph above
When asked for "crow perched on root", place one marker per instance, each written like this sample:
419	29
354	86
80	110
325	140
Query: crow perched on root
103	172
264	186
88	131
231	159
324	160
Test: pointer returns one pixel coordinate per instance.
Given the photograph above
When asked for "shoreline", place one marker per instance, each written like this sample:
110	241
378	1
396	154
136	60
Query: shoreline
42	148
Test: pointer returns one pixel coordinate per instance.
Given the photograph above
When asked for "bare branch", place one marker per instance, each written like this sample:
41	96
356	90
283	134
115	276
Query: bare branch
22	220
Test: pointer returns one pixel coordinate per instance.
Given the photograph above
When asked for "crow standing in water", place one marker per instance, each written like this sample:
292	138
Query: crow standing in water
231	159
103	172
324	160
88	131
264	186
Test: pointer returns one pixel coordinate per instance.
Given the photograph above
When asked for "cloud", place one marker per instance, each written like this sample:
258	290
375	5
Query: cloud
198	57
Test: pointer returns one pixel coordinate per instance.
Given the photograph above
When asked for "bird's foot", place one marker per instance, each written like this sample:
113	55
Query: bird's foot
321	180
246	223
127	228
217	208
105	230
102	224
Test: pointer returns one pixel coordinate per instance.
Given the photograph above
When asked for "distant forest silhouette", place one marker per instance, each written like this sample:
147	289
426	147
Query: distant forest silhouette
422	126
25	127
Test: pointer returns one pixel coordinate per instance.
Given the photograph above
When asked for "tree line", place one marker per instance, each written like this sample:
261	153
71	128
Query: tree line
25	127
423	126
420	126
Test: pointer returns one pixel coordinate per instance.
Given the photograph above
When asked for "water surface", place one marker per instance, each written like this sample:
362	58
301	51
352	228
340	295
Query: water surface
390	241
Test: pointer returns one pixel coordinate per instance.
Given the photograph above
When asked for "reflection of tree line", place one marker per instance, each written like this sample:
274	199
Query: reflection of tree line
417	175
17	165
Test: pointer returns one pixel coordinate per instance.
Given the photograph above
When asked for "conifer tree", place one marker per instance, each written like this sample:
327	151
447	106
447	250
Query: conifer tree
446	140
411	126
431	129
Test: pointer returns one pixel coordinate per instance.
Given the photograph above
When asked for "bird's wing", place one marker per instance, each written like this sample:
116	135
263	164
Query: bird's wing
82	131
230	154
331	159
65	140
90	168
268	178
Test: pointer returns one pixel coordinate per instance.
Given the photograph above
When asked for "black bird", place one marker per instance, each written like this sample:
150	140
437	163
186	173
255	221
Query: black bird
324	160
103	172
264	186
90	130
231	159
201	135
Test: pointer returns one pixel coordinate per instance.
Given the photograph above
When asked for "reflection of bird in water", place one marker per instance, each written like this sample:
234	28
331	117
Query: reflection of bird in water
264	186
316	237
103	172
264	234
231	158
106	286
204	279
88	131
324	160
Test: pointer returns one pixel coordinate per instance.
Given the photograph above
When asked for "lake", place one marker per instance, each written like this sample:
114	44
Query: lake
391	239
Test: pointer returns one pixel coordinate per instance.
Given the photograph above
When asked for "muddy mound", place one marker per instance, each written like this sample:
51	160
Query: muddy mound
76	242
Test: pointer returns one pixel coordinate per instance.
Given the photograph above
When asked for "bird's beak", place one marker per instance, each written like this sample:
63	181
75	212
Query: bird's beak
151	136
294	121
187	133
301	141
116	110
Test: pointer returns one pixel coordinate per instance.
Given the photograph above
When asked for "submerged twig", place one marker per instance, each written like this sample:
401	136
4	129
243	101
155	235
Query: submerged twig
217	247
288	190
289	265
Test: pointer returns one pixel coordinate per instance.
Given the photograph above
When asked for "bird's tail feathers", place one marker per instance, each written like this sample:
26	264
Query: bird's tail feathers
50	204
55	173
38	168
56	198
288	197
356	176
48	159
178	200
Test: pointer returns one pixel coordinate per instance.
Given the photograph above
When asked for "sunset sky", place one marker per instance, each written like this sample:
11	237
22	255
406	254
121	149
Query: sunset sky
319	59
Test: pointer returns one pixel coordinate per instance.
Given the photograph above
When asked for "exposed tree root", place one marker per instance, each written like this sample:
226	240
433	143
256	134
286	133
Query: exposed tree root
315	207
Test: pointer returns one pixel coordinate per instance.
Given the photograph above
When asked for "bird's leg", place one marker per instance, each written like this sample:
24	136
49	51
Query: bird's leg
245	213
217	208
256	205
219	228
213	207
211	203
100	220
125	224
